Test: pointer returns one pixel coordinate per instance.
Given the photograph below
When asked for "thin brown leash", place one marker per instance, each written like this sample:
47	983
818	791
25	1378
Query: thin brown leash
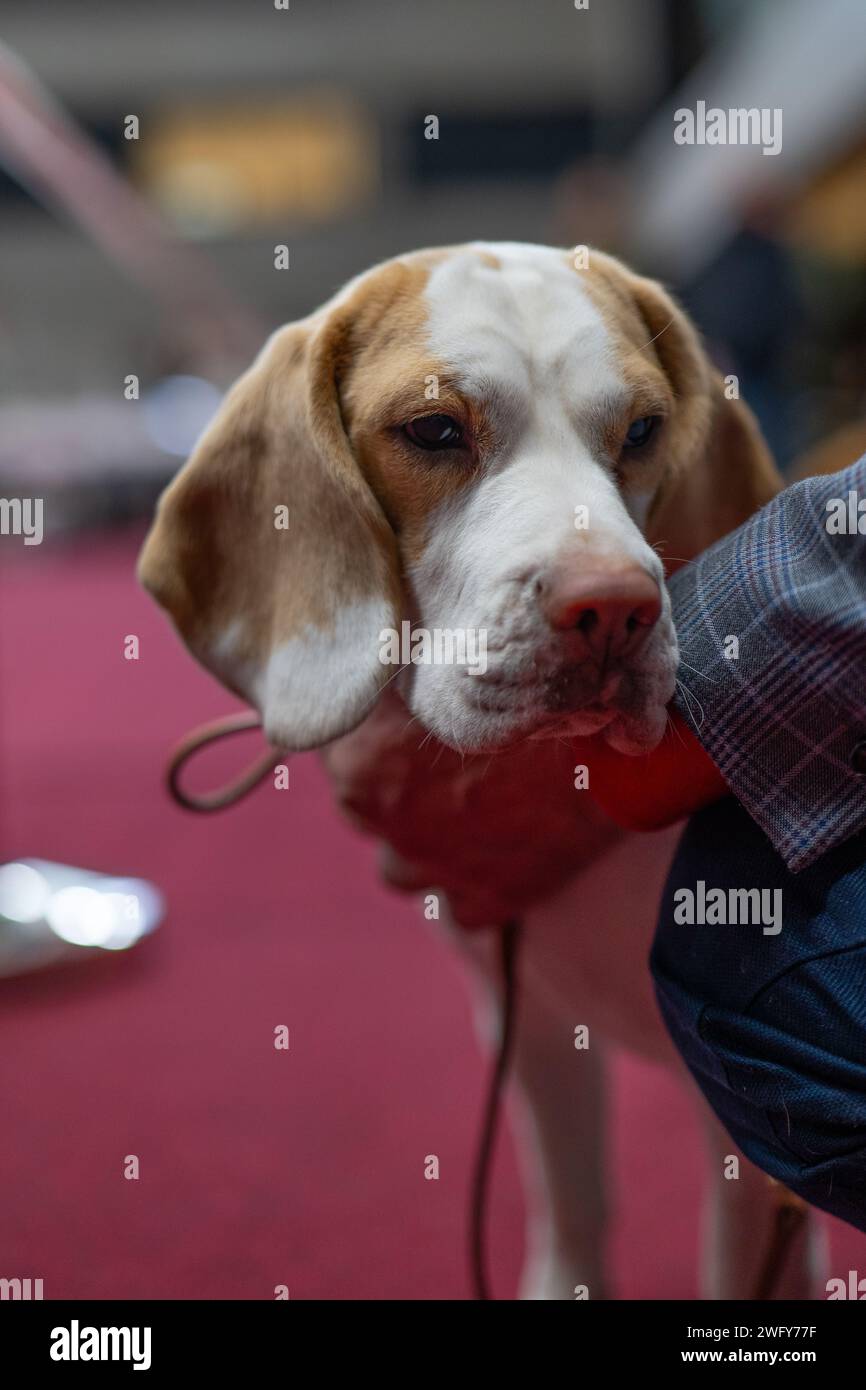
790	1210
221	797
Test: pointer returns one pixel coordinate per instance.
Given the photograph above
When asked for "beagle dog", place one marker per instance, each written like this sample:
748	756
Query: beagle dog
496	439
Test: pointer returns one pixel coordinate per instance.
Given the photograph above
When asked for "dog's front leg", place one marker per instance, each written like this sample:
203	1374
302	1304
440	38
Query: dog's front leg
559	1116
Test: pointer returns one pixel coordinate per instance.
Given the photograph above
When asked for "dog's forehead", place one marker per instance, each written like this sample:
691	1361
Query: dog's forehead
518	314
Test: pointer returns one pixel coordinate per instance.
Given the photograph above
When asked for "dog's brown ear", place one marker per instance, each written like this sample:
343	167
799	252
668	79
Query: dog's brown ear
272	555
720	470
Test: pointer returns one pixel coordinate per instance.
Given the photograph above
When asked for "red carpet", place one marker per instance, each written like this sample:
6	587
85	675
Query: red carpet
258	1167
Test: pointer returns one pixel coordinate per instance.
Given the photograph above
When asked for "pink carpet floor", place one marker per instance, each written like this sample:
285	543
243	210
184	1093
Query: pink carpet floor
258	1167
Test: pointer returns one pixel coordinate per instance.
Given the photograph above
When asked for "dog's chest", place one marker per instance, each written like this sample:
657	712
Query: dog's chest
512	835
497	833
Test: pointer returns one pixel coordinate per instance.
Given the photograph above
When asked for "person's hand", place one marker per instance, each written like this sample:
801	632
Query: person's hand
646	793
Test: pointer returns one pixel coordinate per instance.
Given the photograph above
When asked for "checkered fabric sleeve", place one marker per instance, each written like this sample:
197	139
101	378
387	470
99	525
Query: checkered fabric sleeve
772	629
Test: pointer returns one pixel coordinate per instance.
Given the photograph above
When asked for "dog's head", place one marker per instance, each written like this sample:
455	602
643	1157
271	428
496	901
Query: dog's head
485	442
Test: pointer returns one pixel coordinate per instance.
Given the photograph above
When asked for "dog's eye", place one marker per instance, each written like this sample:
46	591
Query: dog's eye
639	431
434	432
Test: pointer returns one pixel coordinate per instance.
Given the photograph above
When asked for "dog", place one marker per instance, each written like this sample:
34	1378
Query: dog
491	438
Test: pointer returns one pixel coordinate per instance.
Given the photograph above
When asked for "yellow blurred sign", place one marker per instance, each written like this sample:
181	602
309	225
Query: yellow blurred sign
220	168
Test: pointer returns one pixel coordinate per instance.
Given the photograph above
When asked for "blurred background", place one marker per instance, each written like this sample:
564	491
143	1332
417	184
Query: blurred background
151	160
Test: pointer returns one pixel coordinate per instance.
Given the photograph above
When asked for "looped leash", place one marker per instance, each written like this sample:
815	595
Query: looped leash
221	797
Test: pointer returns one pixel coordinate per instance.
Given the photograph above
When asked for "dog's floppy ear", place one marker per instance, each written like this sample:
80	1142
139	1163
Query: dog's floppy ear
271	553
720	469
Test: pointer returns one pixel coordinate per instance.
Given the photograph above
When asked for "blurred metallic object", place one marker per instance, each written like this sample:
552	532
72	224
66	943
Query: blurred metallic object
54	913
54	159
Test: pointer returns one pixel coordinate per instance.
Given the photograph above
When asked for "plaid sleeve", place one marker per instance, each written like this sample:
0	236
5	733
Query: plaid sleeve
772	629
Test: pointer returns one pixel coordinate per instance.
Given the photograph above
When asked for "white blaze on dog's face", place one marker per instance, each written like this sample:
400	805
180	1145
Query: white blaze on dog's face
484	441
542	550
